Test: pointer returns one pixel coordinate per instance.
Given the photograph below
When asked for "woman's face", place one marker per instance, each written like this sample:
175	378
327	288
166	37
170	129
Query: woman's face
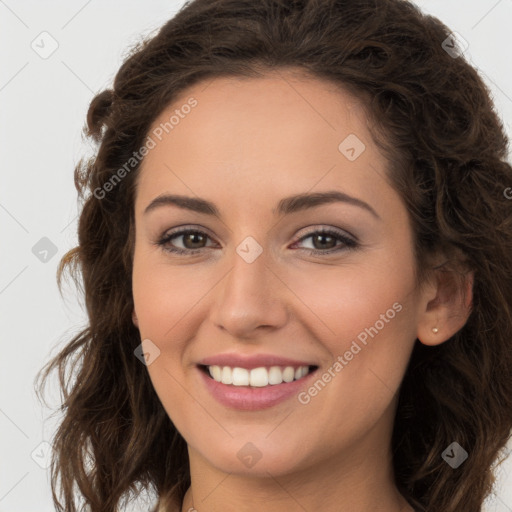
263	286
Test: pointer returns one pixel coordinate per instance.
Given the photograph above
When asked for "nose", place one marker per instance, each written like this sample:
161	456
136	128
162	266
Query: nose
250	299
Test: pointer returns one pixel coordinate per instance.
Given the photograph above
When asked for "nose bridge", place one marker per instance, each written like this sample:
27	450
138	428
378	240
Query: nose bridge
249	296
249	278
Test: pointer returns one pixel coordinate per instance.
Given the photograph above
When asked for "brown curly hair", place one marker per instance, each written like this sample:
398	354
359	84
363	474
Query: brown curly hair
433	119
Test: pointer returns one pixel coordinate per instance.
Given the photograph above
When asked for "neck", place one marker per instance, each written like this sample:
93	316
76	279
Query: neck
394	503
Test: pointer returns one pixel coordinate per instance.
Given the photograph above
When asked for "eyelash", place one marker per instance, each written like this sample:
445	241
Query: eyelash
348	243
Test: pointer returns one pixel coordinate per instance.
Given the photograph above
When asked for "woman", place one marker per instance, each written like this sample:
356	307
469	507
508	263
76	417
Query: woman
296	253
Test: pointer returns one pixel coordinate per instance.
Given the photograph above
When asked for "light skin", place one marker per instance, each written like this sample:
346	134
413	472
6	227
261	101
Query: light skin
246	145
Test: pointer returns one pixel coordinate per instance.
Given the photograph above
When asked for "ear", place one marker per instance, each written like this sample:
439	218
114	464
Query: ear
446	303
135	320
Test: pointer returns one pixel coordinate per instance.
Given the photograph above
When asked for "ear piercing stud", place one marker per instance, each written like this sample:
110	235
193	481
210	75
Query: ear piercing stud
435	330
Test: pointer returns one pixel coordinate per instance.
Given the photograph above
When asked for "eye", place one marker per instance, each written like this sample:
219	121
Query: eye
192	240
324	241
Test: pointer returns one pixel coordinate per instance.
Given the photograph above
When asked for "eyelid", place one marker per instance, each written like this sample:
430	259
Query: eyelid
179	231
185	228
308	231
315	228
348	241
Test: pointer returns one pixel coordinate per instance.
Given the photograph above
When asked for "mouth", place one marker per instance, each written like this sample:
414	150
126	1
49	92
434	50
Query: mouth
256	377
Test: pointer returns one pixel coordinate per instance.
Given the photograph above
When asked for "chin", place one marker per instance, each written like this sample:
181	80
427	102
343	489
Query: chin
254	455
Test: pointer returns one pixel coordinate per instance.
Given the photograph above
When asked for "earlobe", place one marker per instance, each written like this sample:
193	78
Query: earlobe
448	311
135	320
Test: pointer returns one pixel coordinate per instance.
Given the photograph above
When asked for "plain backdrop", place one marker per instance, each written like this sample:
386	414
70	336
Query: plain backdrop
54	56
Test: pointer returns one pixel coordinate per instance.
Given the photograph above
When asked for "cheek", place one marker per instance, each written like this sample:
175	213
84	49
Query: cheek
164	299
365	317
165	294
340	303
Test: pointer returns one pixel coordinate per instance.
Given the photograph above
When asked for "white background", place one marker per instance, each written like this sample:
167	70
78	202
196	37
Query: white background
43	104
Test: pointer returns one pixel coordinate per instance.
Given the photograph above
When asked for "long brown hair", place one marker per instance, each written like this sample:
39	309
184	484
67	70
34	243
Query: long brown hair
434	120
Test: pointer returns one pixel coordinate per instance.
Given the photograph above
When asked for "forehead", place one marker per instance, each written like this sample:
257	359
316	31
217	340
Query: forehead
251	137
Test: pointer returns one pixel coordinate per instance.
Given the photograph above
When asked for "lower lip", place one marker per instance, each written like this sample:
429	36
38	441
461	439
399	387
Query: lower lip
248	398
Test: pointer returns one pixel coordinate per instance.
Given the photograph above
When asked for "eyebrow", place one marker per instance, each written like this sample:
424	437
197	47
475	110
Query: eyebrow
285	206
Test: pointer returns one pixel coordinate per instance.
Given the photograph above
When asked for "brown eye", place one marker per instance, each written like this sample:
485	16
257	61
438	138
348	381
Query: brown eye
192	241
325	241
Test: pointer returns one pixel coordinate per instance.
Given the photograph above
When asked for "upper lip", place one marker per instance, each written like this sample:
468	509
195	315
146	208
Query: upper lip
252	361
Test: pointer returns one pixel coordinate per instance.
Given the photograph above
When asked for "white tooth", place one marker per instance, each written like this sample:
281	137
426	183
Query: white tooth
226	377
215	372
288	374
240	377
259	377
275	375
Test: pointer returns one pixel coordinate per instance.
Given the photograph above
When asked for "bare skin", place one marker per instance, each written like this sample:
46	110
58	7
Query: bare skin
246	145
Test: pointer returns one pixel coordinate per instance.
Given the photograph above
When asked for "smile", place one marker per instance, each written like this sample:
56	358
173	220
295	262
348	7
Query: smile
257	377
